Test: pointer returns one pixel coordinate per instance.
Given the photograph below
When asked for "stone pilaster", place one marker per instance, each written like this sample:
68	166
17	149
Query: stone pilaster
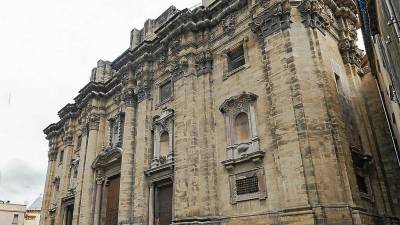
51	165
81	174
87	197
127	187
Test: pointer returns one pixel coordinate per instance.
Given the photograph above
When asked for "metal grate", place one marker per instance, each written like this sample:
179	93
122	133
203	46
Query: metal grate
247	185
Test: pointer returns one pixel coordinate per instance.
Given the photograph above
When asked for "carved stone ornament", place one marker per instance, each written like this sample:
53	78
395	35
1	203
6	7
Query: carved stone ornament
229	24
316	14
175	46
94	121
237	104
100	180
273	19
68	139
107	157
128	97
264	3
117	98
351	54
143	90
204	62
178	67
52	154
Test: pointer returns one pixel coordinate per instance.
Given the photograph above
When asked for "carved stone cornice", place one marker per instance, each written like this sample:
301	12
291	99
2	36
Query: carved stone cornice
238	103
229	24
178	67
351	54
204	62
94	121
275	18
316	14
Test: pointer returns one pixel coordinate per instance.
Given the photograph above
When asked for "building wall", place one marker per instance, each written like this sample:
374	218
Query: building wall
301	88
32	218
7	212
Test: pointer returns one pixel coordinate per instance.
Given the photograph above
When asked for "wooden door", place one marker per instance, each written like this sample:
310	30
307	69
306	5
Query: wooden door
163	205
112	201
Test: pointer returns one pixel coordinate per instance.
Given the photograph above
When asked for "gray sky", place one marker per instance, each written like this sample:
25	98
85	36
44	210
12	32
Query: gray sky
47	50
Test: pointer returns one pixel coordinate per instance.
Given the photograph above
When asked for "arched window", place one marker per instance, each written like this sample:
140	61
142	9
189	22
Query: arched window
242	129
164	143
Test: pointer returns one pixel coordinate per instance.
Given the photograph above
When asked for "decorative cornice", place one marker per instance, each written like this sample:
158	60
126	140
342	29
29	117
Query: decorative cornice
351	54
107	156
275	18
237	102
204	62
316	14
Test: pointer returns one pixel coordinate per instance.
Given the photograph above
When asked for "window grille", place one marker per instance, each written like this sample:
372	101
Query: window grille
236	58
247	185
165	91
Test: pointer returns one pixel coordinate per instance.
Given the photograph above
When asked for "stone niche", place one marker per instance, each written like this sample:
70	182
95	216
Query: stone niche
241	133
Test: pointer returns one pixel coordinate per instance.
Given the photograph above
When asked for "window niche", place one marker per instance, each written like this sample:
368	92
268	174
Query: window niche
361	165
165	91
163	125
236	59
241	132
116	130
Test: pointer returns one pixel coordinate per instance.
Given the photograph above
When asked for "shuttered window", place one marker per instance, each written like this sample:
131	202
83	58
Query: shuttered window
236	58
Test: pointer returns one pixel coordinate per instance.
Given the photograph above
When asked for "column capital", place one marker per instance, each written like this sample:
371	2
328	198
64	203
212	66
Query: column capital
129	97
100	180
52	154
94	121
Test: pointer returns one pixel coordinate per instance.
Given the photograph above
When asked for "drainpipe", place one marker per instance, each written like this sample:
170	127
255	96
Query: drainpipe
393	20
388	121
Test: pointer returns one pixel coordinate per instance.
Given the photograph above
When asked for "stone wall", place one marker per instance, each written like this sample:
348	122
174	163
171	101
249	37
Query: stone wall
307	109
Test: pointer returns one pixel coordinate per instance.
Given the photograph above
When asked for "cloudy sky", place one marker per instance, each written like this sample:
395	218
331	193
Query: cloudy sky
47	50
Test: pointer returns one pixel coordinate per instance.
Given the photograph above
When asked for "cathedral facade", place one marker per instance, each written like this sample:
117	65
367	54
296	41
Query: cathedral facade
235	112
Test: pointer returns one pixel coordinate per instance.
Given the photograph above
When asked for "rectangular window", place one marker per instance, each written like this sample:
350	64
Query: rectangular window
15	219
236	58
79	142
61	157
247	185
339	85
165	91
362	184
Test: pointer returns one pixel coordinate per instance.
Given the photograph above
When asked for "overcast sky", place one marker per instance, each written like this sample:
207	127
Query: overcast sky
47	50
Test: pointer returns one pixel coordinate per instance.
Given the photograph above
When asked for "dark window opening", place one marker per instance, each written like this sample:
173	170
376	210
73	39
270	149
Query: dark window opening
61	157
339	85
247	185
362	184
236	58
165	91
15	219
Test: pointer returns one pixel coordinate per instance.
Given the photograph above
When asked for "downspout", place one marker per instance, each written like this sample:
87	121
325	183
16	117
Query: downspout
393	20
388	122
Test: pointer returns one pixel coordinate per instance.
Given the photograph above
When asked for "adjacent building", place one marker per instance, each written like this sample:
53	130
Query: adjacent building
381	30
32	214
11	214
235	112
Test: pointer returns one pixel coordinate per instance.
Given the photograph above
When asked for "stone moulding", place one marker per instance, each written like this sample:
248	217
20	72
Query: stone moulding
107	157
275	18
199	220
